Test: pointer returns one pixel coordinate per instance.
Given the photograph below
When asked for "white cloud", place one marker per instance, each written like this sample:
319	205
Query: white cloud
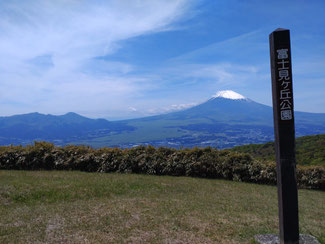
221	74
49	48
169	109
132	109
177	107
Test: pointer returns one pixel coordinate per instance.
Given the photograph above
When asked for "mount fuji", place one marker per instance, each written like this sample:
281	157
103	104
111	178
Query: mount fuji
230	107
225	120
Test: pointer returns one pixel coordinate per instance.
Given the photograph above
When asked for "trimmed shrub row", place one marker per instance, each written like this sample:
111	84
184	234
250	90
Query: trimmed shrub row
197	162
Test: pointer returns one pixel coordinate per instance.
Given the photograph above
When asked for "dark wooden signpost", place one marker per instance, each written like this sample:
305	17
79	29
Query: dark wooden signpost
284	129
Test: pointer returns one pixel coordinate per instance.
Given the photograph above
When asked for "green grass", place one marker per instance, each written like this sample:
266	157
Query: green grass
75	207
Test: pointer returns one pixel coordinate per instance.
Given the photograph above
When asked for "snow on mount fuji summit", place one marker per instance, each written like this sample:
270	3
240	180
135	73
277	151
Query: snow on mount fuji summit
229	95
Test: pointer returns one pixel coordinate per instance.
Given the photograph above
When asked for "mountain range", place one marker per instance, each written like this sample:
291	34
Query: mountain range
227	119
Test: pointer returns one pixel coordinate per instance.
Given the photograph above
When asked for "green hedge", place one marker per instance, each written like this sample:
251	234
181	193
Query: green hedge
196	162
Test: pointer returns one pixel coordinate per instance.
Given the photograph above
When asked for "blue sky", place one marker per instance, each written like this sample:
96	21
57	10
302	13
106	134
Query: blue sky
123	59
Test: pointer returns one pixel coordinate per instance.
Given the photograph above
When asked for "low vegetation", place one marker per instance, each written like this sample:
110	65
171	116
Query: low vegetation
79	207
196	162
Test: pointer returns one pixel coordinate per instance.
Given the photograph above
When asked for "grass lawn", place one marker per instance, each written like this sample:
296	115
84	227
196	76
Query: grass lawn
76	207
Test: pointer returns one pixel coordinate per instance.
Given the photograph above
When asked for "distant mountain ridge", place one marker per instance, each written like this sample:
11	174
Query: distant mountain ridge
23	129
227	119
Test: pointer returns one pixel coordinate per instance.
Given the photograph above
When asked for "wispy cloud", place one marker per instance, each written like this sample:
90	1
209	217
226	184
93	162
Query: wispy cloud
50	51
221	73
236	47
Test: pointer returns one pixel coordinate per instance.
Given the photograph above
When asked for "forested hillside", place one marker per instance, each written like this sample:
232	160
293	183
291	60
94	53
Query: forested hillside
310	150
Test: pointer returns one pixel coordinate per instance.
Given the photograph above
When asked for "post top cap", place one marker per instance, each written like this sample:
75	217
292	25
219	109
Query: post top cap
281	29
